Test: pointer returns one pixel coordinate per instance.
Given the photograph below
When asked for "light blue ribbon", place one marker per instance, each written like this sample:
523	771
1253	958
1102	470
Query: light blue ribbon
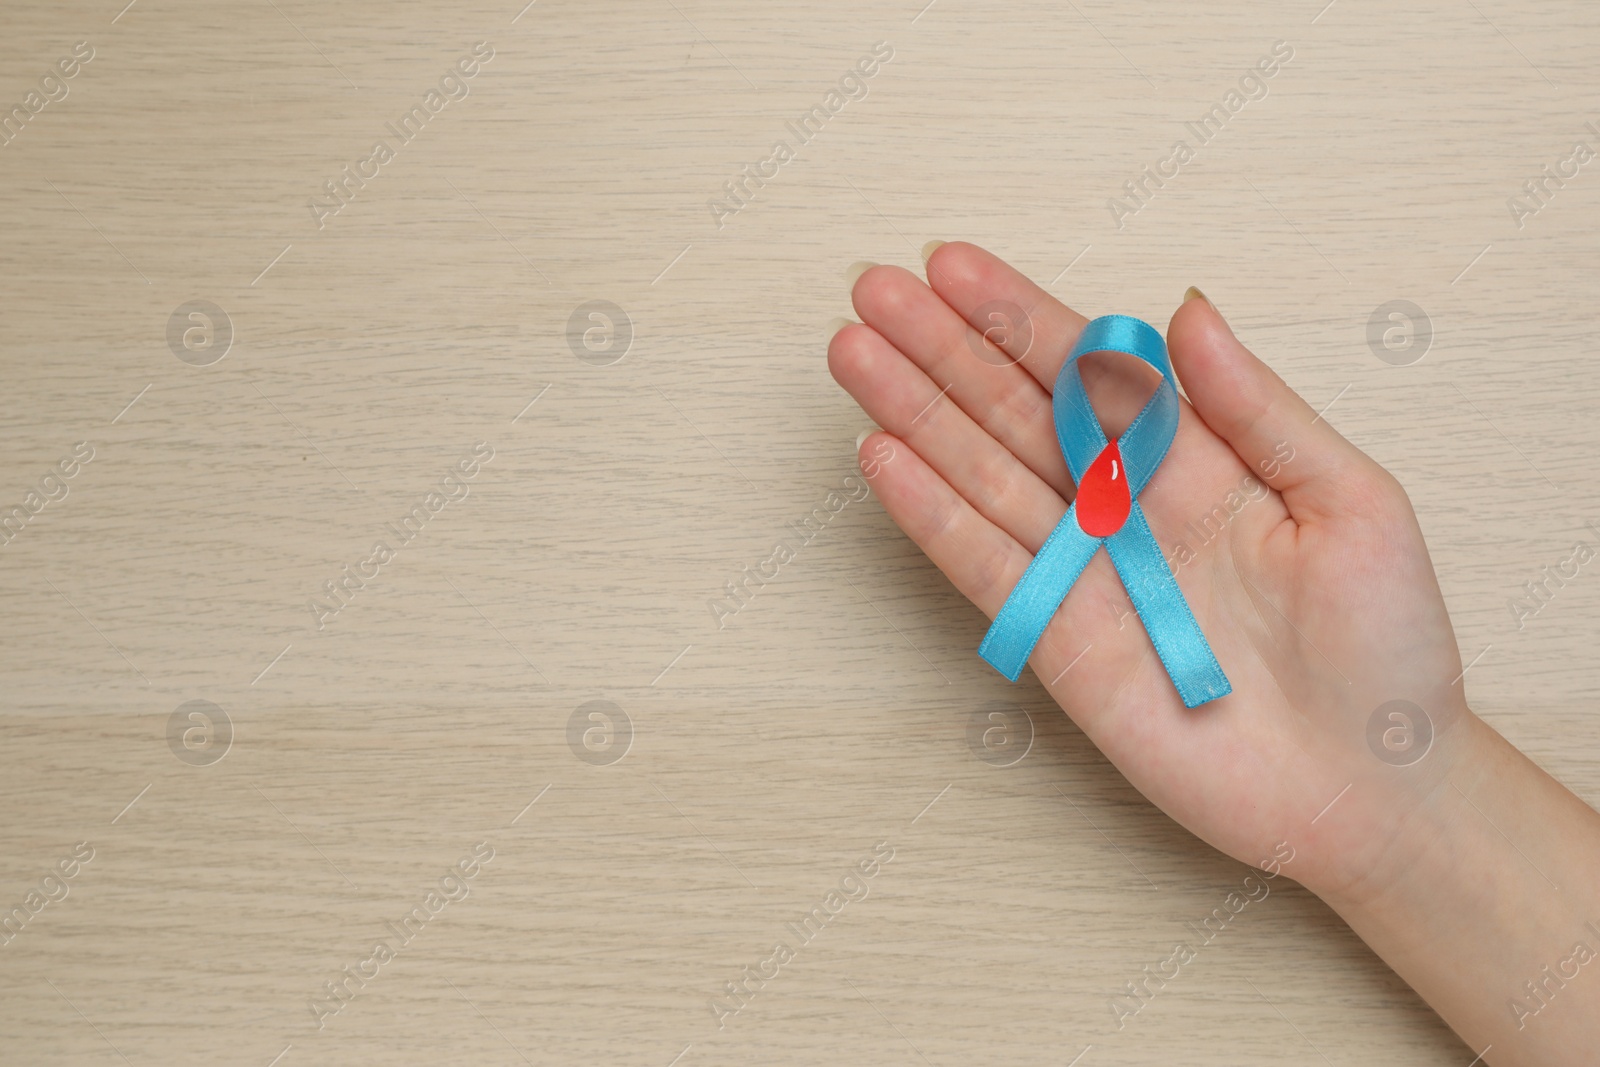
1133	548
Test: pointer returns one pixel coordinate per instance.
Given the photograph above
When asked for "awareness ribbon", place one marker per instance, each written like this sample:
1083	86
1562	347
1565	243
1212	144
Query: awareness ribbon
1110	476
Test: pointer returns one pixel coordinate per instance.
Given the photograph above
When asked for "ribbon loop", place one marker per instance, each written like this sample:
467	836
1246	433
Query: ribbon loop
1131	545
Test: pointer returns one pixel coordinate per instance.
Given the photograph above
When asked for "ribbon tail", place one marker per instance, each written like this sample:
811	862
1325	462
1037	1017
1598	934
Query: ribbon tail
1034	599
1173	631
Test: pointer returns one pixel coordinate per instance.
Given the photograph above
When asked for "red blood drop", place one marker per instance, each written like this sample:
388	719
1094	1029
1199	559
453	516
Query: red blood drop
1103	499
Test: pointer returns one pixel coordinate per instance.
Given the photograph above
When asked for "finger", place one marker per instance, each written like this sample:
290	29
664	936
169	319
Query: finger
972	281
981	560
1274	431
999	396
902	399
986	291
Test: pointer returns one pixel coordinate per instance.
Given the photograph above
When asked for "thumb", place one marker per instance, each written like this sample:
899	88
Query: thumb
1320	475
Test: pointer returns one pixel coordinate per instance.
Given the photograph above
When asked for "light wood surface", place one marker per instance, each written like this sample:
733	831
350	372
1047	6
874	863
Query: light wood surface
770	755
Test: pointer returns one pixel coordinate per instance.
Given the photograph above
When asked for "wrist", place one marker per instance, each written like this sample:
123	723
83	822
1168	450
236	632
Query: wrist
1406	827
1480	895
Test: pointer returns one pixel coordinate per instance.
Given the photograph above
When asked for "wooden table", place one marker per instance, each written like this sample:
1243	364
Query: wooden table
534	348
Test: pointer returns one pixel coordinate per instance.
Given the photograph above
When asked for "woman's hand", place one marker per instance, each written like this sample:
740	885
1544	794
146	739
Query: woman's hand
1300	557
1467	868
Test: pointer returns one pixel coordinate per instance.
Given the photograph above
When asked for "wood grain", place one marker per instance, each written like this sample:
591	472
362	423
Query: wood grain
765	757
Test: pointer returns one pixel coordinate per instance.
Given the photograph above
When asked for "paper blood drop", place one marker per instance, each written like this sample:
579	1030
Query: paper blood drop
1103	499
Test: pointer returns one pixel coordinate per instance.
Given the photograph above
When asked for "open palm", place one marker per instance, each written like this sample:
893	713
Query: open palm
1300	557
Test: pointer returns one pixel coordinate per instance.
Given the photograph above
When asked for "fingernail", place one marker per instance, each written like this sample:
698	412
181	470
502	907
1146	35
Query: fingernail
1192	293
929	249
855	270
838	323
863	435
